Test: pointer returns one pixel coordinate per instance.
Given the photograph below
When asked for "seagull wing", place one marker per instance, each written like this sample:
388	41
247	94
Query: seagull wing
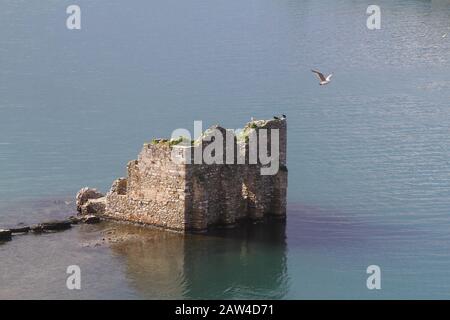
320	75
329	77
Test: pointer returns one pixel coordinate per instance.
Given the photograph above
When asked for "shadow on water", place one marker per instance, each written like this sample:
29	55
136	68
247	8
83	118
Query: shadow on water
313	227
248	261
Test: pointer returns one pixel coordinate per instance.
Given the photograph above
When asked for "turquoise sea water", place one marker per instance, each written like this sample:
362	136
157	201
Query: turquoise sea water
368	155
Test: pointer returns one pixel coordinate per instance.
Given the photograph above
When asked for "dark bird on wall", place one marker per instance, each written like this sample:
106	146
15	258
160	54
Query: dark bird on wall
323	80
276	118
283	116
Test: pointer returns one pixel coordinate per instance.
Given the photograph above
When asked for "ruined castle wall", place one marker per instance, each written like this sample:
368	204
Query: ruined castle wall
216	196
216	188
280	180
257	193
155	192
223	194
161	192
266	194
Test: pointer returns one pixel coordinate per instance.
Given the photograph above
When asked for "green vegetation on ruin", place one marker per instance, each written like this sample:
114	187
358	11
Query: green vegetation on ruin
241	136
172	142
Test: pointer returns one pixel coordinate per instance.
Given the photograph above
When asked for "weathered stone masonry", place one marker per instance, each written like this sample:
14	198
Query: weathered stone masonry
184	196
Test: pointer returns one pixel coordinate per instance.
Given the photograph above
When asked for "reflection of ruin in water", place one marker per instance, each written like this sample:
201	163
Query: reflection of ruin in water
248	261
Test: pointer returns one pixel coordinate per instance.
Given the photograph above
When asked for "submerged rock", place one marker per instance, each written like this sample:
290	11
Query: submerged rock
75	220
37	228
5	235
91	219
86	194
92	205
56	225
20	230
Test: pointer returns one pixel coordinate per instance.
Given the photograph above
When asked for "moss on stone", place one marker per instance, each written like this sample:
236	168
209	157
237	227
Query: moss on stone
155	141
180	139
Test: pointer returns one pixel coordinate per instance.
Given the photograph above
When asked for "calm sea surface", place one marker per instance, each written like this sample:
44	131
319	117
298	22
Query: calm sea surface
368	155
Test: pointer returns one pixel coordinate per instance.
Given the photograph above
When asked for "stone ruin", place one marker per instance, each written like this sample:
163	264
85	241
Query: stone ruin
192	197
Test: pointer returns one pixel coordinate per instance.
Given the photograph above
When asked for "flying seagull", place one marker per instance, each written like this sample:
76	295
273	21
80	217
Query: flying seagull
323	80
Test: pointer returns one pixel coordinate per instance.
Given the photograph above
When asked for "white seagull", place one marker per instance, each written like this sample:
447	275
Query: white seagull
323	80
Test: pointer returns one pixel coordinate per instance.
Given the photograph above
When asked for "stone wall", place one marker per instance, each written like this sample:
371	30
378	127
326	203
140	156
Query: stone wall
184	196
154	191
